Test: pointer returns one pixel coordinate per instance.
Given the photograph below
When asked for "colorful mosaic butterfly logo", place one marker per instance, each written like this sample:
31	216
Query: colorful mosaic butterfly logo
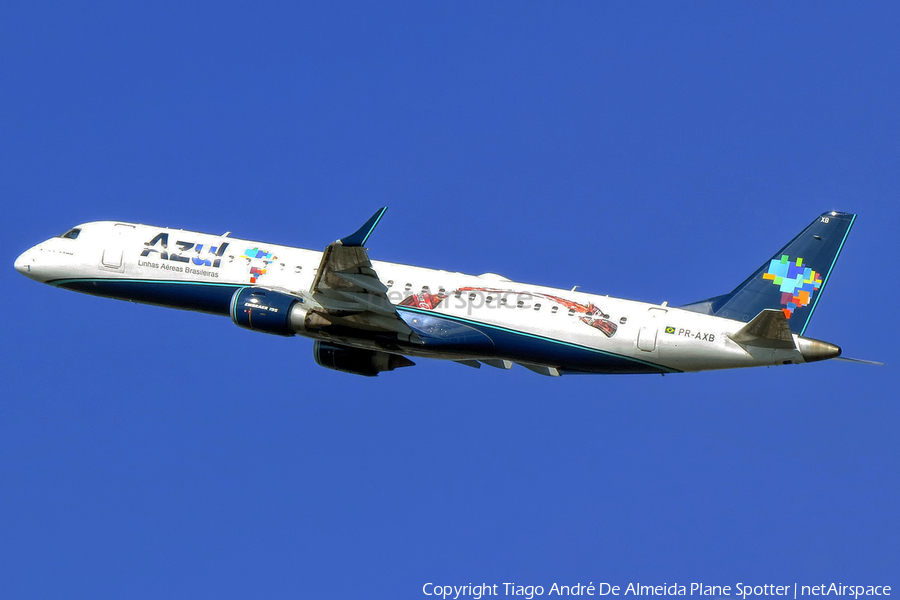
796	281
258	255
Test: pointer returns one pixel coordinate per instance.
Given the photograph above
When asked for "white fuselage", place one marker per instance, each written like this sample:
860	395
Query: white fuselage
562	330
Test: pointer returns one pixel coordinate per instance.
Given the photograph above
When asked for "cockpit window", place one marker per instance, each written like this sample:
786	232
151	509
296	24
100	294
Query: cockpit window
71	234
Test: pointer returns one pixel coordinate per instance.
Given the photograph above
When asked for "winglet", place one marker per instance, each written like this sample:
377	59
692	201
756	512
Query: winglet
362	234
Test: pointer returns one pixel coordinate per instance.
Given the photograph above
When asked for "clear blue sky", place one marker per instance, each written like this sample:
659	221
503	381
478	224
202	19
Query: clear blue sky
656	151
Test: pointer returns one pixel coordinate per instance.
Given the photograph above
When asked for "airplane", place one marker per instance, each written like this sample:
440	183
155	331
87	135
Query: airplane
369	317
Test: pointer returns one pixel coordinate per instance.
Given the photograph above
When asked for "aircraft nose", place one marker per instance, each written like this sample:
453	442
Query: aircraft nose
25	262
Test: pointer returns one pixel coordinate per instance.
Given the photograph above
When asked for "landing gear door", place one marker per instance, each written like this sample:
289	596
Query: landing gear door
650	329
115	247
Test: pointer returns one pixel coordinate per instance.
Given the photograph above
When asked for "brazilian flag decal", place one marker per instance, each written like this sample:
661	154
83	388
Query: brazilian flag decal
670	329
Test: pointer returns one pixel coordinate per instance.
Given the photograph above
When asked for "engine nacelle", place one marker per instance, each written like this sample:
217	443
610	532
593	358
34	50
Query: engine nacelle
357	360
259	309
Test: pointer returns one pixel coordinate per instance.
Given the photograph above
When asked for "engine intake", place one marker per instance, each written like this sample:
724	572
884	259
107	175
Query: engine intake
259	309
357	360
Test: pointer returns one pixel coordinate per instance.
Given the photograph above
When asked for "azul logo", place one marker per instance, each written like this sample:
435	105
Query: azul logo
160	245
796	281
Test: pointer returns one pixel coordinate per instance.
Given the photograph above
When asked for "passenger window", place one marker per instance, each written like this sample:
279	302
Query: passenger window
537	306
489	299
554	309
571	312
390	283
520	304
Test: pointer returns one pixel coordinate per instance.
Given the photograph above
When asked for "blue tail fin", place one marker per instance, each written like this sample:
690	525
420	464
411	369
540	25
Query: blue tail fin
793	280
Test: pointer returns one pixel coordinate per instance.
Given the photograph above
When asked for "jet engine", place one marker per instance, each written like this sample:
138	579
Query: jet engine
357	360
259	309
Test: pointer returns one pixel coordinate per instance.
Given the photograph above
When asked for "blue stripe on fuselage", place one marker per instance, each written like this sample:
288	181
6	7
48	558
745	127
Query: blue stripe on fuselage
214	298
526	347
510	344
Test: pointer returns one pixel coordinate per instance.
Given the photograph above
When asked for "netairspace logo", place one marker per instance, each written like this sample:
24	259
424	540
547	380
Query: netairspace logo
740	590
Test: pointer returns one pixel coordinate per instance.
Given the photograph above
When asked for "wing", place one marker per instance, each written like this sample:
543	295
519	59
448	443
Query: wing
348	290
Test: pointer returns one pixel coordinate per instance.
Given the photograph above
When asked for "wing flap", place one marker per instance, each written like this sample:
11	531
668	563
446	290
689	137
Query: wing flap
355	301
368	283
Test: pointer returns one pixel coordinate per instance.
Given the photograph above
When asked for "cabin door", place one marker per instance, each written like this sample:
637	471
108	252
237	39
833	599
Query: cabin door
650	329
112	254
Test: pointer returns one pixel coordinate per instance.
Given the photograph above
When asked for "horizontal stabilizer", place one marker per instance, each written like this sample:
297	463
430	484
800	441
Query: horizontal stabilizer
768	329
